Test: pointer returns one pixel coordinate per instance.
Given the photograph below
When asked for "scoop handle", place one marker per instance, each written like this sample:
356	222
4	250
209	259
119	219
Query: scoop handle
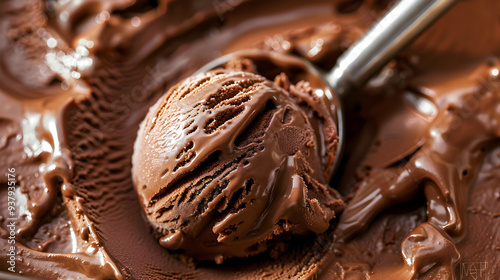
389	35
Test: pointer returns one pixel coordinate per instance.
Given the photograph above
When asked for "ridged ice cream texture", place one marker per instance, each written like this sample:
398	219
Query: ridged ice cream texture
227	161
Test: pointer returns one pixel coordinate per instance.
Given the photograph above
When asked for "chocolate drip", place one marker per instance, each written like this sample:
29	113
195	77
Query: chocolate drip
420	167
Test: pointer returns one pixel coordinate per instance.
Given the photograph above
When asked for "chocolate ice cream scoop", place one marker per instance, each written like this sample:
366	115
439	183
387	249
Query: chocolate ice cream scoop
228	163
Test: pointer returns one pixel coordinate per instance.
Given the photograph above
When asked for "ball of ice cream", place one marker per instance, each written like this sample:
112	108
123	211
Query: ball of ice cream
227	163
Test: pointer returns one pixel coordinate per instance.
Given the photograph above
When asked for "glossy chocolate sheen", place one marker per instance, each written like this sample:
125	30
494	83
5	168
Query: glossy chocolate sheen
420	172
228	161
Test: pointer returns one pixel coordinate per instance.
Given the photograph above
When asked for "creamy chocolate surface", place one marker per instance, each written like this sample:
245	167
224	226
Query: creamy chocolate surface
420	173
226	162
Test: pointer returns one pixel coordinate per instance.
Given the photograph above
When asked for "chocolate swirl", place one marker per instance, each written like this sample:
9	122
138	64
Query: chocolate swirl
225	162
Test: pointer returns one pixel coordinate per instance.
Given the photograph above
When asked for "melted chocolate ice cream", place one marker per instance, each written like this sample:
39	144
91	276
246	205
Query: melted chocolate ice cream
228	161
419	174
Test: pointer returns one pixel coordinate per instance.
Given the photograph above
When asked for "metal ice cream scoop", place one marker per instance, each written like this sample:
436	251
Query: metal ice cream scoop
395	30
389	35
